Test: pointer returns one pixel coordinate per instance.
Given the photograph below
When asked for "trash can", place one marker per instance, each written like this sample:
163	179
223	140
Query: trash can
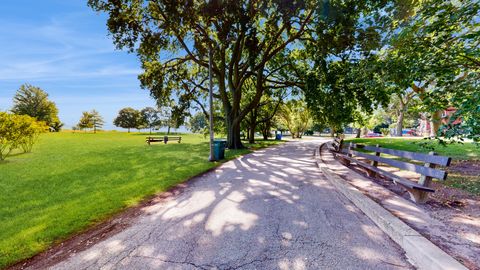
278	136
219	149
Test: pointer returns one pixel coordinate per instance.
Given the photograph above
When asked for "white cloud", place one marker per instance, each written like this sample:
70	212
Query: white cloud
59	50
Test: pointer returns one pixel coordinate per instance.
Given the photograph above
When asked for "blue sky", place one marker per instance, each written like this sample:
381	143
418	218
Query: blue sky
62	47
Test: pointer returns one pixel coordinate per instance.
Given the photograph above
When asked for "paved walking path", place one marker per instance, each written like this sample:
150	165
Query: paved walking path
272	209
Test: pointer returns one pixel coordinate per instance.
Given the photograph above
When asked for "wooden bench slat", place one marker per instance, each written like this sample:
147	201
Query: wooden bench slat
404	165
439	160
395	178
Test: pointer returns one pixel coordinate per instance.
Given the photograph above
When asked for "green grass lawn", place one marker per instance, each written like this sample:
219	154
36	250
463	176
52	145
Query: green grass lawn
456	178
71	181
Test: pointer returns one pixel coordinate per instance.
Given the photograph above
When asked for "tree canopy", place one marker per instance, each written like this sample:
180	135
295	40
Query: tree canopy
33	101
128	118
243	35
348	57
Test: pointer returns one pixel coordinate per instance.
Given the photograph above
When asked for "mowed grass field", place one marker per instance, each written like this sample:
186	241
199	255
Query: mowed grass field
467	154
73	180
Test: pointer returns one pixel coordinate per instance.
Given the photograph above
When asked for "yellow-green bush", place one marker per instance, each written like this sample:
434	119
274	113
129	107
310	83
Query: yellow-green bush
18	131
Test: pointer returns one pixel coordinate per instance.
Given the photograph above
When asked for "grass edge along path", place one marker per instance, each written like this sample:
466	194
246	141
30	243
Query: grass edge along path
117	161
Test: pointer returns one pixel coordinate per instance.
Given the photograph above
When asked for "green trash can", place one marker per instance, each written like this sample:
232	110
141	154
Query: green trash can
219	149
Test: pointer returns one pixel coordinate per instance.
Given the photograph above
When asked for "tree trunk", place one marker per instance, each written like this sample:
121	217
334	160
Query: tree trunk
435	123
234	140
168	130
359	131
332	132
265	133
253	126
401	115
251	136
128	130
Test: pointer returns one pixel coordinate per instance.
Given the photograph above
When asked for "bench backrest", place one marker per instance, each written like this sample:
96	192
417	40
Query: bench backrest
428	169
337	144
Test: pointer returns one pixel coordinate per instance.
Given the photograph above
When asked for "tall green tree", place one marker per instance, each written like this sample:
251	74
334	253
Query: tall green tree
128	118
244	35
33	101
97	120
296	117
440	44
85	121
92	120
173	115
198	123
151	118
341	71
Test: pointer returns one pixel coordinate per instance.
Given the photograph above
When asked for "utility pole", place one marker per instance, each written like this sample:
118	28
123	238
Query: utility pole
210	99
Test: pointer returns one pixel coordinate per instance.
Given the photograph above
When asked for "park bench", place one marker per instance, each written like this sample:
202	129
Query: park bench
164	139
336	145
418	190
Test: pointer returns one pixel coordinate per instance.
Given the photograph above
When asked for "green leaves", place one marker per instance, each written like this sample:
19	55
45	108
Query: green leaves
18	131
128	118
33	101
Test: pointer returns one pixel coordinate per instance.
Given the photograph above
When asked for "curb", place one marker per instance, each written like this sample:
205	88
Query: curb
422	253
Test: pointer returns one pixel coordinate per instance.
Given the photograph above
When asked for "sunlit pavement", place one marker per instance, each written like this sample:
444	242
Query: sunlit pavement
272	209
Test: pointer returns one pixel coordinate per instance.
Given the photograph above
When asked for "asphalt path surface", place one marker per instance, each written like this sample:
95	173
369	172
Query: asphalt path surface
272	209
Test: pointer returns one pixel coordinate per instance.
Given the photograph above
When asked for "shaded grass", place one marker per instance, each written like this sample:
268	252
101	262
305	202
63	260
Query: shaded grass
458	153
72	181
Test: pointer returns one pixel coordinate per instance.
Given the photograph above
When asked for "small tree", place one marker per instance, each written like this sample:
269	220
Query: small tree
33	101
150	118
198	123
8	135
30	131
91	119
85	121
18	131
97	120
127	118
173	116
295	116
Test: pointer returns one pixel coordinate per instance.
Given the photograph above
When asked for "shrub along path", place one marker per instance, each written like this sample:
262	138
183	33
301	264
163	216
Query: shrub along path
73	180
271	209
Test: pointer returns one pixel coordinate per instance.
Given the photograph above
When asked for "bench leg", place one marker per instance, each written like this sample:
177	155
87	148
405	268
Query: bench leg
371	173
345	162
418	196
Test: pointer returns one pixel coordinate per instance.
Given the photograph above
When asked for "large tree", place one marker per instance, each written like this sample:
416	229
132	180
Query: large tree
440	42
341	71
33	101
173	38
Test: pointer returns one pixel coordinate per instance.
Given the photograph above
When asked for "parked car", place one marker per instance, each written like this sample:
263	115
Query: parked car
373	135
